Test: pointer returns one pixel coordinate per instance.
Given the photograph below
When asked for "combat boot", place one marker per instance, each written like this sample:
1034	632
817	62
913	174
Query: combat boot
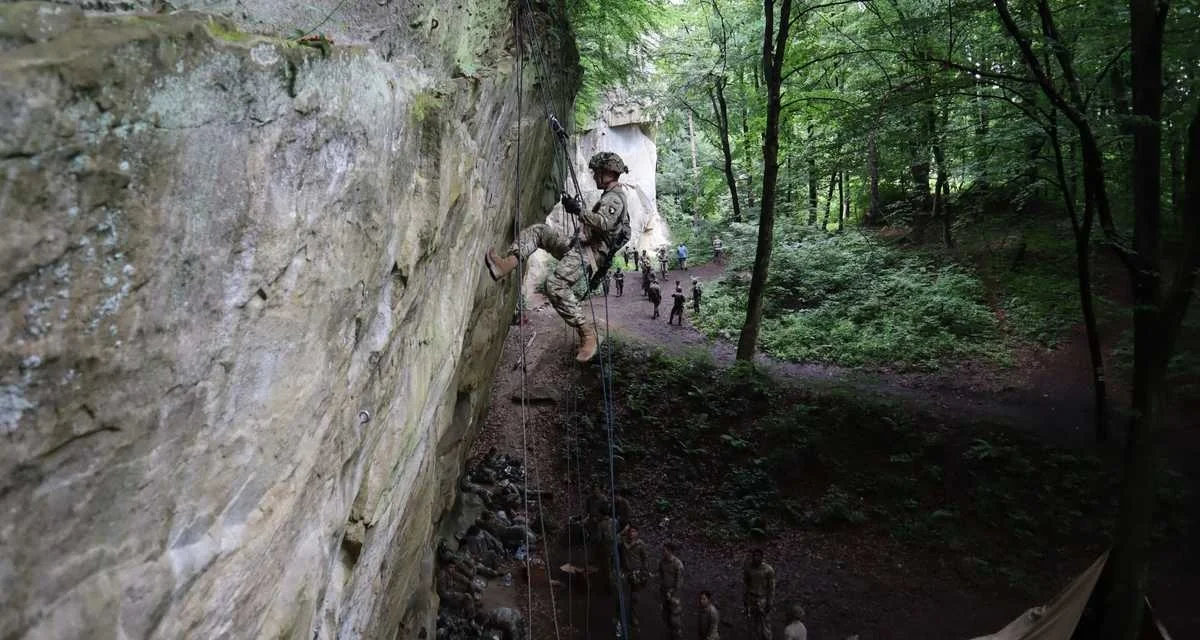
588	343
500	267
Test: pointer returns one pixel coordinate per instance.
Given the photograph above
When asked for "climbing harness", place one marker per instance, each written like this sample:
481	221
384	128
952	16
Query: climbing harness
525	22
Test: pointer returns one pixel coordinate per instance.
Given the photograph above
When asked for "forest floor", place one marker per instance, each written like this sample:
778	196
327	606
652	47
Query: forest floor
852	580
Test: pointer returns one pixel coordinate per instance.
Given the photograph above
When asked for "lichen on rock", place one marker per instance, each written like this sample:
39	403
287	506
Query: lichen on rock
216	250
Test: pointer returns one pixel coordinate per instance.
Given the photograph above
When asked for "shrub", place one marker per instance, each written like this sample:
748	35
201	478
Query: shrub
849	300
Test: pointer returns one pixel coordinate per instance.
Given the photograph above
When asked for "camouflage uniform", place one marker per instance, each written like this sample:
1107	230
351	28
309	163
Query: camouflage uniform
758	597
655	295
709	623
602	550
624	512
635	560
575	262
678	300
670	571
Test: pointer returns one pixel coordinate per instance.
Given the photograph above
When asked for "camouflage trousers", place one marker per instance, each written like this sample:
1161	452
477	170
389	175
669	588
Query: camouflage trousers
757	617
573	266
672	614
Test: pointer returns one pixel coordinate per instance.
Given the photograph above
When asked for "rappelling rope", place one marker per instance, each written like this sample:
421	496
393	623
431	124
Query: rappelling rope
606	347
525	384
521	338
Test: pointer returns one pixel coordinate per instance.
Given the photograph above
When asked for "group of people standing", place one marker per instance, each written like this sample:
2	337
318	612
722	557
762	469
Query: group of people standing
609	529
651	290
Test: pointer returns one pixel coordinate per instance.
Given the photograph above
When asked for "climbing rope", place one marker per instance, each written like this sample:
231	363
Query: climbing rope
521	339
560	137
532	471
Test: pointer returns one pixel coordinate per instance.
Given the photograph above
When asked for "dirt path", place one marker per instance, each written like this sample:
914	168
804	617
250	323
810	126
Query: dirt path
1042	394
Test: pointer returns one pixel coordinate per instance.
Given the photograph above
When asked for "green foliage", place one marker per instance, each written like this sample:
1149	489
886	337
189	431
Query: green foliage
851	300
612	40
769	457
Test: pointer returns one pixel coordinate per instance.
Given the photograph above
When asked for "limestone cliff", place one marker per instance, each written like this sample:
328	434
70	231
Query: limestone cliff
245	331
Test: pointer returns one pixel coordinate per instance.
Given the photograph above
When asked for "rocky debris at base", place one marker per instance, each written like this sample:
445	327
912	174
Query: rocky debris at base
498	542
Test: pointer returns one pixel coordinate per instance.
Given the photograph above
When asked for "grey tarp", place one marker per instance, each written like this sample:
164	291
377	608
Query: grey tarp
1057	619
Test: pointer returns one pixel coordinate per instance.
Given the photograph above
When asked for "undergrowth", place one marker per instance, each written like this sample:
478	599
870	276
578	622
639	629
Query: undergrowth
750	457
852	300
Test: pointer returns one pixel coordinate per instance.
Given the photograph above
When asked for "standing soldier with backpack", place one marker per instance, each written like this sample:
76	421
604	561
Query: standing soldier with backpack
696	293
664	264
619	281
677	302
655	295
601	233
647	276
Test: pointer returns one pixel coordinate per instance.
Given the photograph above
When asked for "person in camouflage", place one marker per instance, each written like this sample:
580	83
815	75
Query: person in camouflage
708	623
670	572
635	565
759	595
655	295
602	550
576	261
619	281
647	276
677	302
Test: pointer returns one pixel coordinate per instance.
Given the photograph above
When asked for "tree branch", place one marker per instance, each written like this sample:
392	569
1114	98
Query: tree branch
827	58
991	75
816	7
1061	52
1035	66
1104	72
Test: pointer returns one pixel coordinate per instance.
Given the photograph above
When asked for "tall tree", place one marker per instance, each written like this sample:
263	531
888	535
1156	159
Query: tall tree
1159	304
774	54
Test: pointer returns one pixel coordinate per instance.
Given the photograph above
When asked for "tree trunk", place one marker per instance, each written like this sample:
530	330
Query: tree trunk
841	200
829	200
747	143
940	191
1124	606
874	216
1082	231
721	110
695	172
981	133
773	60
813	180
1176	159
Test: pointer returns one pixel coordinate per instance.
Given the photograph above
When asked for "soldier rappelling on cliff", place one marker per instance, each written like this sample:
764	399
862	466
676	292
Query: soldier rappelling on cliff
600	234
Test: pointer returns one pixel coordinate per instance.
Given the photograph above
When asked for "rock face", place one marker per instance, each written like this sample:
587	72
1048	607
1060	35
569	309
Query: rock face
622	126
246	334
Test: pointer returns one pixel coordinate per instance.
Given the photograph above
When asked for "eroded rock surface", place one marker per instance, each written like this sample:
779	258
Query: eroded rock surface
245	334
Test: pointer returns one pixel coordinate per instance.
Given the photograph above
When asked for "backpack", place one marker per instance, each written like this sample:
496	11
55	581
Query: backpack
617	239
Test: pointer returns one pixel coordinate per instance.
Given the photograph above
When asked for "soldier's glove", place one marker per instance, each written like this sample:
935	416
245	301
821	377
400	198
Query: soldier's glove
571	205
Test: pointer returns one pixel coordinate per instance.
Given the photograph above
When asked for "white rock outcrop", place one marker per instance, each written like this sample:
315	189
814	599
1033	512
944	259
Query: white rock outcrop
246	333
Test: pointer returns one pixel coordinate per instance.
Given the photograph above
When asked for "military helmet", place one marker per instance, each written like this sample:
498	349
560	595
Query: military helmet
608	161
